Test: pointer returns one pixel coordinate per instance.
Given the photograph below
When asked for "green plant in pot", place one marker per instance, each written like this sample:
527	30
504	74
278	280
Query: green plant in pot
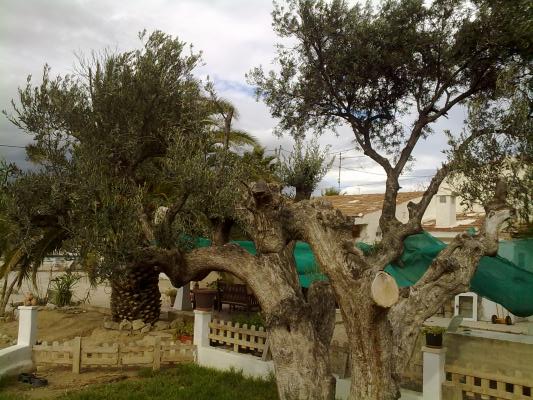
433	335
184	332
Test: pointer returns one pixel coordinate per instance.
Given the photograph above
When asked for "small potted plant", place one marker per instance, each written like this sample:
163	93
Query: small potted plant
184	332
433	336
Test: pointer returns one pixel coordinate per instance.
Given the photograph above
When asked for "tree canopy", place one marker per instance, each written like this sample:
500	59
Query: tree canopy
128	150
304	167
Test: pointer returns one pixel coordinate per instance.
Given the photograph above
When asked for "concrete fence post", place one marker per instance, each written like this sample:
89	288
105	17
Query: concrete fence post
27	325
76	355
433	376
201	328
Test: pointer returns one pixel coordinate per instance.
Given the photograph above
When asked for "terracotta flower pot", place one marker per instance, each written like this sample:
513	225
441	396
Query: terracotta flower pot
204	299
187	339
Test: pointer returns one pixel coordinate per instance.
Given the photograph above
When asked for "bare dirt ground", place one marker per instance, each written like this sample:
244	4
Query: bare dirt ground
61	325
62	381
58	325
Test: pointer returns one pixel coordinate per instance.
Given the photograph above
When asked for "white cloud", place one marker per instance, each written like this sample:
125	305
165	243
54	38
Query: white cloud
234	35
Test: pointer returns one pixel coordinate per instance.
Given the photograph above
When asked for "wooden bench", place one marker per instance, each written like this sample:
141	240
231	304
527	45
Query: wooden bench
236	295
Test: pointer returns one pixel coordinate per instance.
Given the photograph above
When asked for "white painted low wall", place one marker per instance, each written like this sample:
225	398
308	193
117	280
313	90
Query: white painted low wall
15	359
18	358
225	359
342	391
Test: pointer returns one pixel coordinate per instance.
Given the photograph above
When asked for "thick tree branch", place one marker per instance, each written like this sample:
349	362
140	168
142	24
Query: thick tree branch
449	274
329	233
362	135
146	227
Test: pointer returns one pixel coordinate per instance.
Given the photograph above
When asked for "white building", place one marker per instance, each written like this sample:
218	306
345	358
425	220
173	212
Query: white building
444	218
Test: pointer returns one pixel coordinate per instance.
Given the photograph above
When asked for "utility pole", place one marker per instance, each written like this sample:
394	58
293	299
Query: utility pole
340	166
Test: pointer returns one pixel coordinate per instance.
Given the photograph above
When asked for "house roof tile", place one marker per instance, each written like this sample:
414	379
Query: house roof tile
353	205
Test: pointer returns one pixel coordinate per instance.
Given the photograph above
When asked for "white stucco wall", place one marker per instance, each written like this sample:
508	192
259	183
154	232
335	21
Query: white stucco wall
371	220
15	359
225	360
18	358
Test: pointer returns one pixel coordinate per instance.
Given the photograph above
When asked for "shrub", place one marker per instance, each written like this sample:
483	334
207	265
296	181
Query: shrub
62	288
433	330
253	319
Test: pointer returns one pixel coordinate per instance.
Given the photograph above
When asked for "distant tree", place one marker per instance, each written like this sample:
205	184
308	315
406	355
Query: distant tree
304	167
125	135
367	67
506	150
331	191
132	170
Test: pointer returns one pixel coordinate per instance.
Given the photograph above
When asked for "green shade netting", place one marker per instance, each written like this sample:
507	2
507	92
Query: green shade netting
497	278
506	279
306	265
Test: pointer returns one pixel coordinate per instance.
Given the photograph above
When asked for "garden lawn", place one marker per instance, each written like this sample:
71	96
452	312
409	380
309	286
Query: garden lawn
185	381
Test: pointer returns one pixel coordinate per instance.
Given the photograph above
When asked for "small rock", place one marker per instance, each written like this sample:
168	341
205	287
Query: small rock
111	325
161	326
146	328
51	306
125	325
137	324
162	335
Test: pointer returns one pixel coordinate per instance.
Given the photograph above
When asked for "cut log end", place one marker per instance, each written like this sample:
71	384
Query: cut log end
384	290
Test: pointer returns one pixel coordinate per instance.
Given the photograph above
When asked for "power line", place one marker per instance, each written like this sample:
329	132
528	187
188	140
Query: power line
384	175
13	146
342	151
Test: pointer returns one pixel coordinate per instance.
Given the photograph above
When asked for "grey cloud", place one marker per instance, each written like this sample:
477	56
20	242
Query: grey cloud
235	36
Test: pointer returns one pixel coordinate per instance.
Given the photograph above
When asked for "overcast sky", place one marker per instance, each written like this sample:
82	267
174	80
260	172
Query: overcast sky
234	36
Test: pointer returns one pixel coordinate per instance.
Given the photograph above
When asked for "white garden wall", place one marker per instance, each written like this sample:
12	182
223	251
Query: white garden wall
18	358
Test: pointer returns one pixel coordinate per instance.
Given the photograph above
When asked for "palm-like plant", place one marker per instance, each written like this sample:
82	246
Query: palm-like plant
21	252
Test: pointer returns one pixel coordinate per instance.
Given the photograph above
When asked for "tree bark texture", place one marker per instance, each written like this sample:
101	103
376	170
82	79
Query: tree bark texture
382	339
7	290
135	295
300	328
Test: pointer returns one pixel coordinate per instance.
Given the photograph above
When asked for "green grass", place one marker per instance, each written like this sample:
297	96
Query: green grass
185	381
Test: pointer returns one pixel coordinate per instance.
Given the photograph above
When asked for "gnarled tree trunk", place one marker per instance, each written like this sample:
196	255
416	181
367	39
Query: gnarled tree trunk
7	290
382	338
300	328
301	363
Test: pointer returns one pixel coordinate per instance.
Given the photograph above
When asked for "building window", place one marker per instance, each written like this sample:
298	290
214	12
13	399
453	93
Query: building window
442	199
466	306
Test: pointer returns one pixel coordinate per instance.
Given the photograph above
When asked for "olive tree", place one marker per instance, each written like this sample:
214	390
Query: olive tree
133	165
506	148
368	67
304	167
